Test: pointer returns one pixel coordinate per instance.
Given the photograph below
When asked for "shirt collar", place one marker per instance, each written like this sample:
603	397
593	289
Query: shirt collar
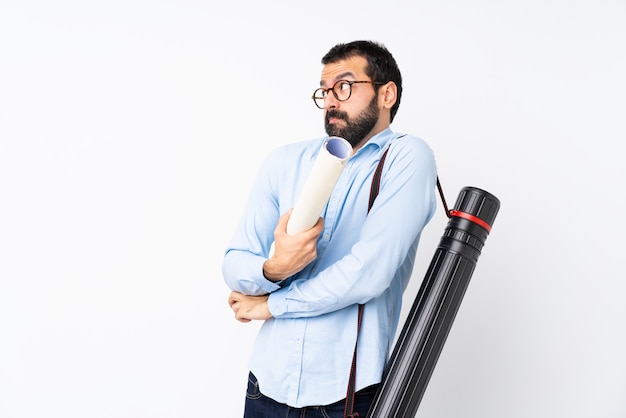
380	140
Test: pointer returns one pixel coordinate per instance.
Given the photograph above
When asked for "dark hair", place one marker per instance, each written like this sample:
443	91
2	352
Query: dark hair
381	66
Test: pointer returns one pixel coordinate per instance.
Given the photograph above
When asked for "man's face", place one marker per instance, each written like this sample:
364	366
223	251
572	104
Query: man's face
354	119
353	130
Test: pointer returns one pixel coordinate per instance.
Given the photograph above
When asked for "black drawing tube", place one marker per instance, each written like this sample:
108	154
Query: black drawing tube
428	323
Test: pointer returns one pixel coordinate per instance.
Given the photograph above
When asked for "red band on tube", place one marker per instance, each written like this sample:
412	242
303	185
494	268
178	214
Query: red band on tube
475	219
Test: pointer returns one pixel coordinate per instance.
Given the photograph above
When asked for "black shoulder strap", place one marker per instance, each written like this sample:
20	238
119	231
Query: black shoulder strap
376	180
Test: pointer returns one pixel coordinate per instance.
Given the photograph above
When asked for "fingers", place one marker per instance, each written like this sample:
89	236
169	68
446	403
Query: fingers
317	228
281	225
319	224
234	302
284	218
238	316
233	298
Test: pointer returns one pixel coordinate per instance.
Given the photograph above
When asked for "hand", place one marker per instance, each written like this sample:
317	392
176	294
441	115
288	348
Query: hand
292	253
247	308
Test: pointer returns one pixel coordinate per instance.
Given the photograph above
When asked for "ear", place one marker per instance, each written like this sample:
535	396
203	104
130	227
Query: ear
388	95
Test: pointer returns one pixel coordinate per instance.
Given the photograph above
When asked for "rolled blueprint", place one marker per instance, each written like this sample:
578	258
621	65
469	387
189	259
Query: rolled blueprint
425	331
318	186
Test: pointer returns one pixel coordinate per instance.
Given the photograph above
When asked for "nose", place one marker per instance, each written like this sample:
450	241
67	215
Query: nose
330	101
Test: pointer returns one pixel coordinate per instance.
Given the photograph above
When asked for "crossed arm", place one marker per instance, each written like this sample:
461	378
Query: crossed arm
291	254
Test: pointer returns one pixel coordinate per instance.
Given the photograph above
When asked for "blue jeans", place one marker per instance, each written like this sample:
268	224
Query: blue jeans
260	406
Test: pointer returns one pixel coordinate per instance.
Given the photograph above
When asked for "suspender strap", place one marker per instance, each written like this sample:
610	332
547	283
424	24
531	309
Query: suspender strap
349	407
443	199
376	180
348	411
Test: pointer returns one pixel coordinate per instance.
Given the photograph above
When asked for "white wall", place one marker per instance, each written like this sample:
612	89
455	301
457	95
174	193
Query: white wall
130	132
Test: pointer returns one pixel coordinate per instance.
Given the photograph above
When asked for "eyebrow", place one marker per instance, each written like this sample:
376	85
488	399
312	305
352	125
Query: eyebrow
341	76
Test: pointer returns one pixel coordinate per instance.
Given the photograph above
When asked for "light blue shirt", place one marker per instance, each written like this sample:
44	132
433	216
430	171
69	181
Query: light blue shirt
302	356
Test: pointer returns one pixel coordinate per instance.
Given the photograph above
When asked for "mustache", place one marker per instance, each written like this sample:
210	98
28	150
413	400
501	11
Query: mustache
334	113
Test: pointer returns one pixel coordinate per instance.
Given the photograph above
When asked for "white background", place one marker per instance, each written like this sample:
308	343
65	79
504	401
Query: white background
130	133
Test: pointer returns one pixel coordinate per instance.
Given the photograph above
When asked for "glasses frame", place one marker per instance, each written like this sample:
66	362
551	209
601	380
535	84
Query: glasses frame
323	93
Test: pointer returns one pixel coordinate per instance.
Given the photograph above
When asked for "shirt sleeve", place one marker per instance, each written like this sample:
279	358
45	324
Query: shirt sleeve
250	246
386	245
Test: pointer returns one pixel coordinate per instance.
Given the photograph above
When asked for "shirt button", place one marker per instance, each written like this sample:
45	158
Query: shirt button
326	236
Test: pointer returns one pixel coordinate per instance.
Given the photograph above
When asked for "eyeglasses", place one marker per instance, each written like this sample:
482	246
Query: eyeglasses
342	90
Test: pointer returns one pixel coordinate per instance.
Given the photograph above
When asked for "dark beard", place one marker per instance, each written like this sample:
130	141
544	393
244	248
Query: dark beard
355	130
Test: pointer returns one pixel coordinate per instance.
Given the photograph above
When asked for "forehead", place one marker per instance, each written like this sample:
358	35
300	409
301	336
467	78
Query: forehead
352	68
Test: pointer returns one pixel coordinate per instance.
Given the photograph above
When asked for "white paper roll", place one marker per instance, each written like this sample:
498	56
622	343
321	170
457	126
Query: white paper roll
319	184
